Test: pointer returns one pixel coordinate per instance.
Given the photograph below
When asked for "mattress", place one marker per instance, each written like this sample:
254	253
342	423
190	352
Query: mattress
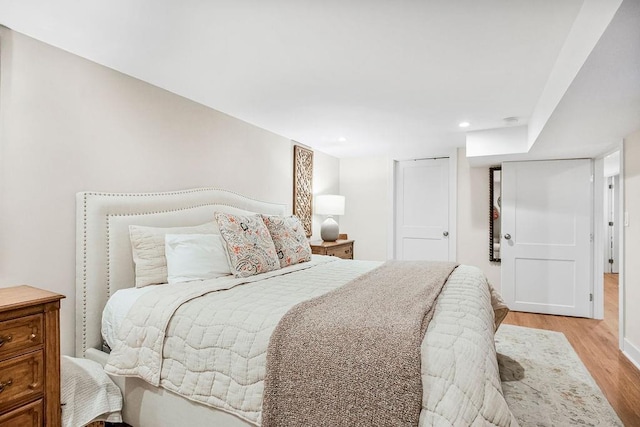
208	341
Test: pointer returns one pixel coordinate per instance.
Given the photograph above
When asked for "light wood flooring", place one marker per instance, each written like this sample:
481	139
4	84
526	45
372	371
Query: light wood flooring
596	342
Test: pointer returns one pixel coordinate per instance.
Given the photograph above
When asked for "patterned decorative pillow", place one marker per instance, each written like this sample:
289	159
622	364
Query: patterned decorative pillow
289	239
249	245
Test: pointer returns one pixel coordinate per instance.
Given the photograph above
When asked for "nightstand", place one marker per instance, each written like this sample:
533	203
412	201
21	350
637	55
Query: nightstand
340	248
29	357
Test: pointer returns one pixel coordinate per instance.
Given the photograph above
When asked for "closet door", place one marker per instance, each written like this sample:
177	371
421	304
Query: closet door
547	236
422	210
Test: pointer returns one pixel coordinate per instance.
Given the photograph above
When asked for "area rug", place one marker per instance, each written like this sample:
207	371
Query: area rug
545	383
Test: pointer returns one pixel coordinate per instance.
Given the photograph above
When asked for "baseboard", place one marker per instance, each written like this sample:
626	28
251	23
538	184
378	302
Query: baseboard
632	353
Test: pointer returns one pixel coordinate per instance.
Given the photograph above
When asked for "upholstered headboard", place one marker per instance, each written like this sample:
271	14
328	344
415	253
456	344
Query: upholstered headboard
104	261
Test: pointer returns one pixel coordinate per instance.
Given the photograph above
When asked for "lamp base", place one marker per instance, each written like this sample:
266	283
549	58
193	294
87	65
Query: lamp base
329	230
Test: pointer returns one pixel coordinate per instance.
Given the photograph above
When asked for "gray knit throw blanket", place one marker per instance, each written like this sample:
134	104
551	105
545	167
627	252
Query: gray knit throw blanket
352	357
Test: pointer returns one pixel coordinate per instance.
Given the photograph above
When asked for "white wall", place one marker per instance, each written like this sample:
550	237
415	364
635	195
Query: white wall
367	186
632	246
473	218
68	125
326	180
612	164
495	142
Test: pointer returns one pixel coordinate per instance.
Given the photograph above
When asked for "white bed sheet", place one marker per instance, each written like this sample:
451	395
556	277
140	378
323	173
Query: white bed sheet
117	308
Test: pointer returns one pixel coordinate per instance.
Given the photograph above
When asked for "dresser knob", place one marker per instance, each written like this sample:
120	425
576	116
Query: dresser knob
32	337
5	339
6	384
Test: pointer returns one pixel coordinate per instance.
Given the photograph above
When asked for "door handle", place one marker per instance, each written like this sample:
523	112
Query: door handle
507	236
445	233
4	385
5	339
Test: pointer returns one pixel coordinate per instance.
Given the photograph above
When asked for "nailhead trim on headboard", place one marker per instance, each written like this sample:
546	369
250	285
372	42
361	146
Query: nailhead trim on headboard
84	276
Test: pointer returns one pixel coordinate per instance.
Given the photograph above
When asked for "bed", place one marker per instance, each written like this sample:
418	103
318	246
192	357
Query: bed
459	368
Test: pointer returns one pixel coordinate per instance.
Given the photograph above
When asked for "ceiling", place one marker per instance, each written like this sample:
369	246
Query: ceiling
354	78
602	104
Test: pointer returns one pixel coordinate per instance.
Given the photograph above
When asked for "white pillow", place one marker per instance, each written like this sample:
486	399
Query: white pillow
195	257
147	245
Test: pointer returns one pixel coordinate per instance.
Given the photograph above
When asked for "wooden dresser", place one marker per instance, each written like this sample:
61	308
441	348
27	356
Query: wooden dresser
340	248
29	357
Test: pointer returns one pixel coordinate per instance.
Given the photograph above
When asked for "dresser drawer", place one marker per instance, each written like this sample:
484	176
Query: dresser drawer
21	378
30	415
20	334
342	251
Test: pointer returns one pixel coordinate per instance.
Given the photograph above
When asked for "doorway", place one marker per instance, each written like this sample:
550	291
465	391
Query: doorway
424	225
612	236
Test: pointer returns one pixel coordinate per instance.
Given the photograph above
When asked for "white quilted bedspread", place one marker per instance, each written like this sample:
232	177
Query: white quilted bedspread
207	341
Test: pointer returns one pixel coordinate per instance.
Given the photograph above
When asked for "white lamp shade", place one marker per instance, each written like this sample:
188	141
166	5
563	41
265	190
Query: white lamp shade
329	204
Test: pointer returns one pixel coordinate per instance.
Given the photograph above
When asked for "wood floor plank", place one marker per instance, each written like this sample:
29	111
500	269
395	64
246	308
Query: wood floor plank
596	343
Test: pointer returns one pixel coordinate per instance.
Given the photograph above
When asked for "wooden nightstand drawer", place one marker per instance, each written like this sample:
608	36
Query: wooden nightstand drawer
30	415
20	334
344	251
29	357
21	379
340	248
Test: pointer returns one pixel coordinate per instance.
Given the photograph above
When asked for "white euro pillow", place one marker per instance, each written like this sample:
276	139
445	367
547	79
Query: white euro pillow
195	257
147	245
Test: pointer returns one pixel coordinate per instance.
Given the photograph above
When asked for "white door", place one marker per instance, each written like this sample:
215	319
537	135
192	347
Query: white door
422	210
546	236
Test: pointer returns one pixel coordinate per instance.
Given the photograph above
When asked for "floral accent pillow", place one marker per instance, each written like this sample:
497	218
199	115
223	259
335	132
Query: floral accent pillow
248	242
289	238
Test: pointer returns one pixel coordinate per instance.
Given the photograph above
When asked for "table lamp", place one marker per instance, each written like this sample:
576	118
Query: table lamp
329	204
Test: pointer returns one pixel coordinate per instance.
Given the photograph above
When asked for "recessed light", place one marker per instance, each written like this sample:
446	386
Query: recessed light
464	124
342	139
